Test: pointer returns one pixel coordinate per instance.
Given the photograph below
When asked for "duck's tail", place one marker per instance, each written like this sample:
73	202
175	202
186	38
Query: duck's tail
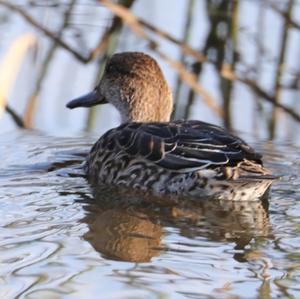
249	170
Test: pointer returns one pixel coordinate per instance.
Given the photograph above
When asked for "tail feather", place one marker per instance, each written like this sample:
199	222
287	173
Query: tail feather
260	177
247	169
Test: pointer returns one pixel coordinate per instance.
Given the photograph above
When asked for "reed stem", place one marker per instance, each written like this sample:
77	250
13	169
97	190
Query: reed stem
280	70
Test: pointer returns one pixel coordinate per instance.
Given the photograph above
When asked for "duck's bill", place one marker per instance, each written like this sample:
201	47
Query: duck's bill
91	99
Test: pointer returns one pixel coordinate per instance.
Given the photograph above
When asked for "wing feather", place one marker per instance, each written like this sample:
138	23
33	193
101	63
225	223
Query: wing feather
182	145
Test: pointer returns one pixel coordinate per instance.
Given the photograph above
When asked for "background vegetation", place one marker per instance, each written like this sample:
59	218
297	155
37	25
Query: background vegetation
235	63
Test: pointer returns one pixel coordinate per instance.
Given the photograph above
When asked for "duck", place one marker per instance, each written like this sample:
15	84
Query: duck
151	153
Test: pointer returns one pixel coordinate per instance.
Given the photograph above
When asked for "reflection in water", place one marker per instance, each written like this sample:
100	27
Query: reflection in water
122	231
238	222
123	234
53	229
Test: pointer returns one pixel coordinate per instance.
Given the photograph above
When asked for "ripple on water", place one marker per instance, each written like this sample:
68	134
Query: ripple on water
56	242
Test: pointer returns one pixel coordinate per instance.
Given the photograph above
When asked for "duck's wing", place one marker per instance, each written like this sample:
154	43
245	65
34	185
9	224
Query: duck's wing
180	146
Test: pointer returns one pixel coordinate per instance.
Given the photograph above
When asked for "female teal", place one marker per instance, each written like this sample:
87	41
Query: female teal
151	153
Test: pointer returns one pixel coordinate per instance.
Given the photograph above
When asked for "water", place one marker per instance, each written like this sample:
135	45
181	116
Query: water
58	241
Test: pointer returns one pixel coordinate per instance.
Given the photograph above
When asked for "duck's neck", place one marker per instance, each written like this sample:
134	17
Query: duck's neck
147	110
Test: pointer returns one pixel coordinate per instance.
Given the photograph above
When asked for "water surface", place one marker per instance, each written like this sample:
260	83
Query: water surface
58	241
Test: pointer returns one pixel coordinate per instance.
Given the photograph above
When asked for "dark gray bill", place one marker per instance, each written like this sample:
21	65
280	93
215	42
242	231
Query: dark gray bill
87	100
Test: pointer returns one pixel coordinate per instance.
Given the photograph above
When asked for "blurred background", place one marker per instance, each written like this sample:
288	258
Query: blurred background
233	63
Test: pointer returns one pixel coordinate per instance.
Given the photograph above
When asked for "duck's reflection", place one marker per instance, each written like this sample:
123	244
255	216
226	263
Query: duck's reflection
123	234
124	231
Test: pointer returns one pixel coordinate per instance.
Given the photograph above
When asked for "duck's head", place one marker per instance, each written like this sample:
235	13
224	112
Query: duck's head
134	83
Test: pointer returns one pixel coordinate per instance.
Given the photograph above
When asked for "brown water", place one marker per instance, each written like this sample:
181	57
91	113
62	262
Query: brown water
57	241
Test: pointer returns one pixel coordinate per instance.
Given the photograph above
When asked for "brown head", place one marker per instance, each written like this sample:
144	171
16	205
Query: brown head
134	83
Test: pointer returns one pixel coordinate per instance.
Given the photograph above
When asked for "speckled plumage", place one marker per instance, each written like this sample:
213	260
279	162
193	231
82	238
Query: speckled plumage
147	152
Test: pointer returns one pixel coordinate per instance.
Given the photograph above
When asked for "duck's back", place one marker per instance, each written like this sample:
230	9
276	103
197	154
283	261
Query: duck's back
181	157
